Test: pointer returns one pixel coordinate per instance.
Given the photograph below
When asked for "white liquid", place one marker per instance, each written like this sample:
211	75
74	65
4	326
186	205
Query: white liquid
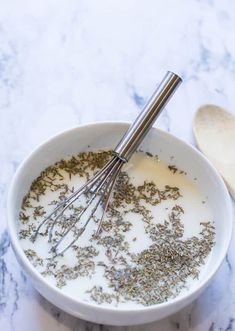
139	168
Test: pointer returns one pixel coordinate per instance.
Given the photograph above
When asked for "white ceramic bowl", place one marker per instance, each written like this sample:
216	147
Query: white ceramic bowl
106	135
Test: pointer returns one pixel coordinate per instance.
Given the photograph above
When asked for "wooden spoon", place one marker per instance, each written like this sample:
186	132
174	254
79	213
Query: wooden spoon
214	130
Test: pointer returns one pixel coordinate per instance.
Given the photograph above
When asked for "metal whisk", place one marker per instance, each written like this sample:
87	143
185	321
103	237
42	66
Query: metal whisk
99	188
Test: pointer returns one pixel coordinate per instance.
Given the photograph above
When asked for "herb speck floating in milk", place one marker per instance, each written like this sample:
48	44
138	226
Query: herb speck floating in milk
154	240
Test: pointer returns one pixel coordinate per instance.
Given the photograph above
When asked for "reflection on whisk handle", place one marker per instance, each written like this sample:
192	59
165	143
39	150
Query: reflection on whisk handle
137	131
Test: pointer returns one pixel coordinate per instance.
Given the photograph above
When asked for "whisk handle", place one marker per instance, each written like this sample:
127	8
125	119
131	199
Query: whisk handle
137	131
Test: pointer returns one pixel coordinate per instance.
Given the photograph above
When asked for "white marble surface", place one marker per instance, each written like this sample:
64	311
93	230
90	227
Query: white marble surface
68	62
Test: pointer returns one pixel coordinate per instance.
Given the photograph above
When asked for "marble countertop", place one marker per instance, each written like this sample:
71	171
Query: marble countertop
64	63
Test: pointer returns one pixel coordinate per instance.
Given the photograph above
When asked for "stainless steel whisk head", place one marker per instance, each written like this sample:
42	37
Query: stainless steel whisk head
99	188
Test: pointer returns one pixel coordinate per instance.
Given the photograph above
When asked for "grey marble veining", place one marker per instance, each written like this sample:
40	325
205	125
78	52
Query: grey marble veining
63	63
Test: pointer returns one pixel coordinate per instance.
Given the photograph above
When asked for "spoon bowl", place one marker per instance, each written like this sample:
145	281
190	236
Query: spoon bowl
214	130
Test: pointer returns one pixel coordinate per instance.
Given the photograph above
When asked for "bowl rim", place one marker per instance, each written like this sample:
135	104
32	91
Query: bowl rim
32	271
